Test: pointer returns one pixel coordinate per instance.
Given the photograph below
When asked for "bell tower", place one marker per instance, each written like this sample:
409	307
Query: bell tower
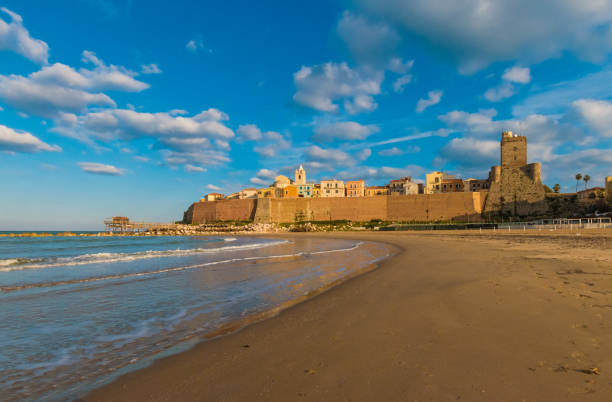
300	176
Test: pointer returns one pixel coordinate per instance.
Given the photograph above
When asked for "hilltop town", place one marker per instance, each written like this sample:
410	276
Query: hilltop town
513	189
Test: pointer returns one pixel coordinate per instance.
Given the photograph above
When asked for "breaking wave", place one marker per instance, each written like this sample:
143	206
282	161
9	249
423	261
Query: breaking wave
16	264
174	269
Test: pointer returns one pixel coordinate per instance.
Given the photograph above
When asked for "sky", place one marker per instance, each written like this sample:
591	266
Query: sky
139	108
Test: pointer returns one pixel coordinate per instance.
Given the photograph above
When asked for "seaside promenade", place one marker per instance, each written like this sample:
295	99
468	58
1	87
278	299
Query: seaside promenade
451	316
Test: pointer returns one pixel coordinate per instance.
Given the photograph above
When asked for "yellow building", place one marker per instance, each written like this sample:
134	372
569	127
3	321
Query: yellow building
433	181
268	192
290	191
316	191
376	190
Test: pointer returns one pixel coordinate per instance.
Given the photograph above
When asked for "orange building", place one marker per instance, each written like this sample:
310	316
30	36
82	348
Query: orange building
355	188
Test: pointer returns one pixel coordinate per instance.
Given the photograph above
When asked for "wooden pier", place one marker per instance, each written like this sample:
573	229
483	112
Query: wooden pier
123	224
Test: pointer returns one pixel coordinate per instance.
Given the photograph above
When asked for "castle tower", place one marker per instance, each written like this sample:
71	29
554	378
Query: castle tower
300	176
515	186
513	150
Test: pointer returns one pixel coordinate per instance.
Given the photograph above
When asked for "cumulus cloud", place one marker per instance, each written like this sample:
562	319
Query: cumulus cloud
511	77
150	69
500	92
126	123
22	141
101	169
595	114
47	100
270	143
259	181
16	38
321	86
433	98
401	82
347	130
470	152
479	33
394	151
333	156
194	169
267	173
249	132
60	88
517	74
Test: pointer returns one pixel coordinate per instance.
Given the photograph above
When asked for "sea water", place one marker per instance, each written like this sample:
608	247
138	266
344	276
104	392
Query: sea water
76	312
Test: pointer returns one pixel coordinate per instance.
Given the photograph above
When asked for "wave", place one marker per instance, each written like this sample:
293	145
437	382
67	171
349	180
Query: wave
174	269
17	264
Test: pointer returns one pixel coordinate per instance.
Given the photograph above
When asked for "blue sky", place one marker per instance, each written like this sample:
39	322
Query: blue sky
140	107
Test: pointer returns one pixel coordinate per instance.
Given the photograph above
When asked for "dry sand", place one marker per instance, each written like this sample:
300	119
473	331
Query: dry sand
453	316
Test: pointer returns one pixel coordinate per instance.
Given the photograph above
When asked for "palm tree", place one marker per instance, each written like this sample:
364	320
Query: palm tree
578	177
586	180
556	188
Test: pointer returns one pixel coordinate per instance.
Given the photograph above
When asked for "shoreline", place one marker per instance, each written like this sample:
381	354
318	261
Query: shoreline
277	344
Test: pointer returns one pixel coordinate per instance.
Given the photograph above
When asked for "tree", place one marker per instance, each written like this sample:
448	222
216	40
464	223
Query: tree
586	180
556	188
578	177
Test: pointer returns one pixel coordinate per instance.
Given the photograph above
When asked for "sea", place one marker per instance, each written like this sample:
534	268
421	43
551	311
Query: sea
76	312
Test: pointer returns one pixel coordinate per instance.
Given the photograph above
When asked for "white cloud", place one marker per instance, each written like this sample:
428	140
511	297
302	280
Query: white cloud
348	130
401	82
22	141
316	153
320	86
259	181
194	169
511	77
395	151
101	169
267	173
195	45
47	100
433	98
113	123
1	109
60	88
519	75
470	152
15	37
364	154
206	157
249	132
150	69
270	143
501	92
141	158
595	114
477	33
213	187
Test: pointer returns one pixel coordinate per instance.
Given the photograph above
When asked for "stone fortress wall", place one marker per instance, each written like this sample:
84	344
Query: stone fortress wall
462	206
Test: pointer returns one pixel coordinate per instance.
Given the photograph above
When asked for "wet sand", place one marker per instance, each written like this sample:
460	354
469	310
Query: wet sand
452	316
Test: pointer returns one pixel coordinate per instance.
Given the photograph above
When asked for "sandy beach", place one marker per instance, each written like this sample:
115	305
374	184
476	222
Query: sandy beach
452	316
